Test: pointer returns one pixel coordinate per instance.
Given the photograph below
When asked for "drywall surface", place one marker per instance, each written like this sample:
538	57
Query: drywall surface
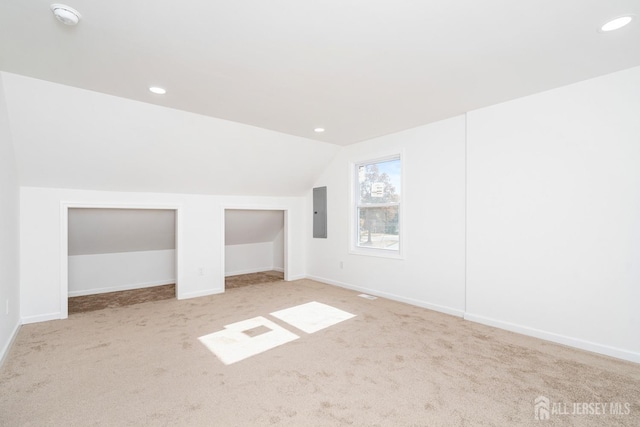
278	251
254	241
249	258
553	237
551	213
102	231
67	137
110	272
431	272
251	226
9	237
200	240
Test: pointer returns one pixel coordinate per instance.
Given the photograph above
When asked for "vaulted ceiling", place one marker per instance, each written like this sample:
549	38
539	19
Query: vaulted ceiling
66	137
360	69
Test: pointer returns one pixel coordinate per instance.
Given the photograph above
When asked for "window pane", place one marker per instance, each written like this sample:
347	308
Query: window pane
378	227
379	182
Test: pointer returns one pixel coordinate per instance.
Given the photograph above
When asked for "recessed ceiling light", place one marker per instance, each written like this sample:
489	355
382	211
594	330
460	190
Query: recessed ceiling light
158	90
318	130
616	24
65	14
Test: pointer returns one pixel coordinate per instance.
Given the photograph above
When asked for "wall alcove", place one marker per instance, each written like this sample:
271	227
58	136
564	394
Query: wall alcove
254	242
115	249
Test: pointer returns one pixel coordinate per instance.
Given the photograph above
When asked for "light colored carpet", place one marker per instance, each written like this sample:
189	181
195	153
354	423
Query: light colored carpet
391	365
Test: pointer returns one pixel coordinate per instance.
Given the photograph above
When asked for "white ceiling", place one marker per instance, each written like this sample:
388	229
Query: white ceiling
358	68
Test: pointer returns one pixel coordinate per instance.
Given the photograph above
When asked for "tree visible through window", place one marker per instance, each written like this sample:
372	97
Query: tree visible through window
378	204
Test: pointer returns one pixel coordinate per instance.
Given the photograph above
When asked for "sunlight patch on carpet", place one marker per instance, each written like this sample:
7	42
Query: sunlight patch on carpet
312	316
367	296
241	340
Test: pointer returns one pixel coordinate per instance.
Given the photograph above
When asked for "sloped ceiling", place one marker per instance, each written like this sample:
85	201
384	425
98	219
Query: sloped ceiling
66	137
252	226
101	231
358	68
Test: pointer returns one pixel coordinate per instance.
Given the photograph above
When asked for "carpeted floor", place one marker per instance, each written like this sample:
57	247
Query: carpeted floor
94	302
252	279
391	365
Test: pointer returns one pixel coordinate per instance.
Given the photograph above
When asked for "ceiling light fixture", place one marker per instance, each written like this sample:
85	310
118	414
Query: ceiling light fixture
318	130
158	90
616	23
65	14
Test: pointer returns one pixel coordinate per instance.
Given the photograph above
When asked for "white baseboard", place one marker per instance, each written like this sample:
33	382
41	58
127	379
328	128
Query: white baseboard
250	271
41	318
412	301
298	277
557	338
9	344
121	288
197	294
524	330
278	269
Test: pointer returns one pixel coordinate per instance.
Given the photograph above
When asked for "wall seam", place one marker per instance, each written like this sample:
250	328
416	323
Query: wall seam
466	199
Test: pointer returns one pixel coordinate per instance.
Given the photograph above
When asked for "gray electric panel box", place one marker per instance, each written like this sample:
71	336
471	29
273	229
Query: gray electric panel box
320	212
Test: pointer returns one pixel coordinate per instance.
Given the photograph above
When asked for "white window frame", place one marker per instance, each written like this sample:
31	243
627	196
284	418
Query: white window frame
354	219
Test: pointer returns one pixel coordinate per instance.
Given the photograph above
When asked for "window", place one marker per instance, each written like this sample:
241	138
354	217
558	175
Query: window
377	206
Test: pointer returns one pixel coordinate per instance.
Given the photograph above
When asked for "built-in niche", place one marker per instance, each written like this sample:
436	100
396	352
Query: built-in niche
254	241
112	249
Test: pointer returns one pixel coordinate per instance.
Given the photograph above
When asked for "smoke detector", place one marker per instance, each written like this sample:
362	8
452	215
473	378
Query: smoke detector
65	14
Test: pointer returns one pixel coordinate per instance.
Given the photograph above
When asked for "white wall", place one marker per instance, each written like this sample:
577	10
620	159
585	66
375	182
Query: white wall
278	251
553	246
255	257
200	240
248	258
552	217
433	198
110	272
9	237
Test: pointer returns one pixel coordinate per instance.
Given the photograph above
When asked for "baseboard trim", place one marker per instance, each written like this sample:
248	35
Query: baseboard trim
278	269
523	330
9	344
297	277
121	288
412	301
41	318
200	293
557	338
